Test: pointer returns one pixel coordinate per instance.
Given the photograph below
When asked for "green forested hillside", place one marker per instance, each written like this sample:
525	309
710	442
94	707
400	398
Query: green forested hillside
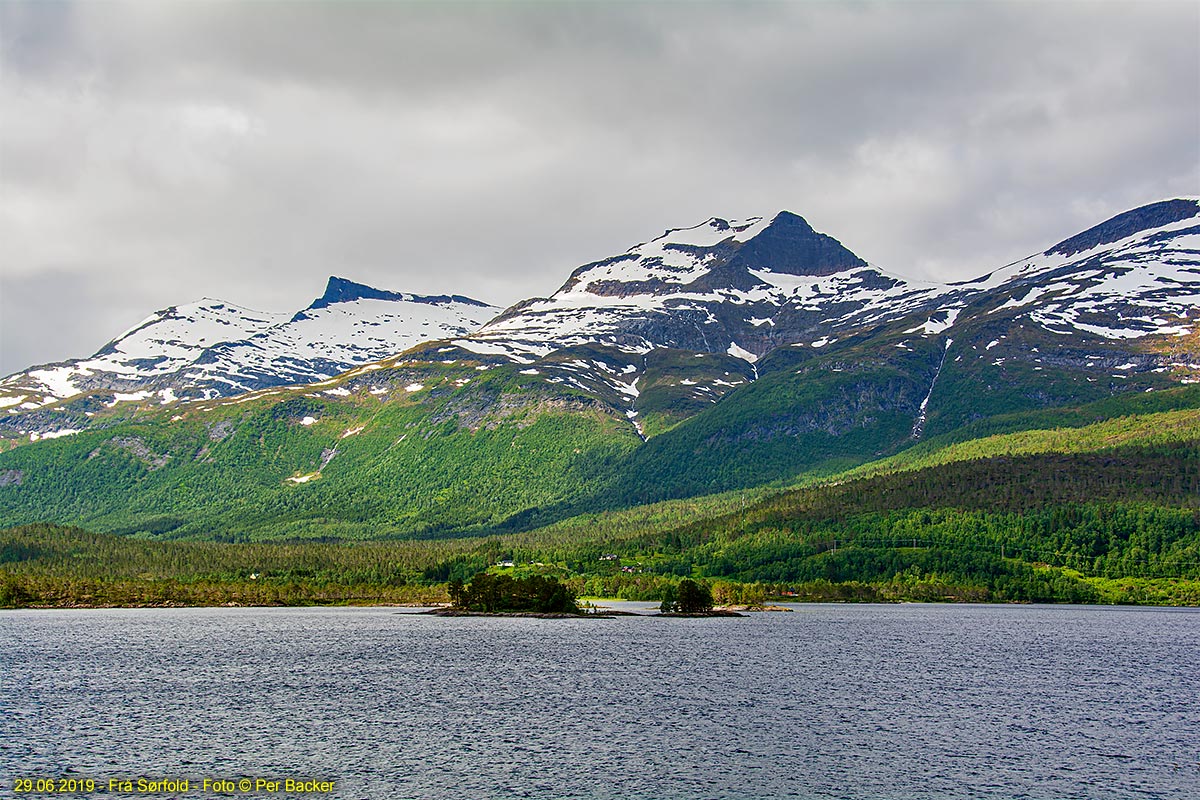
1108	512
305	467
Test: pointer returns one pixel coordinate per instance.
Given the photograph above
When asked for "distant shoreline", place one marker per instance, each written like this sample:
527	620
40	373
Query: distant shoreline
430	609
610	613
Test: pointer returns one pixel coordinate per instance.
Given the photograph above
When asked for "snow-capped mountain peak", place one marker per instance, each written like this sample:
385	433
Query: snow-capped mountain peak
175	330
709	288
744	288
213	348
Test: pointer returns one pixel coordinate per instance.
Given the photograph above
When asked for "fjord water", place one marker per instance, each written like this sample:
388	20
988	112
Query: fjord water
891	702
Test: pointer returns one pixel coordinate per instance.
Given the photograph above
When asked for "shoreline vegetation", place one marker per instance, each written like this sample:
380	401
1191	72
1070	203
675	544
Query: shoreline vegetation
50	566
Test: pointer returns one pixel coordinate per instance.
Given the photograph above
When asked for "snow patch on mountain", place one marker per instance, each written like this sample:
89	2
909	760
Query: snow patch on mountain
161	345
738	352
937	323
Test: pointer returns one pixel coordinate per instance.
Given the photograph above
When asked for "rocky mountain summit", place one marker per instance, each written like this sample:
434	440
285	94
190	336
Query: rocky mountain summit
746	288
736	287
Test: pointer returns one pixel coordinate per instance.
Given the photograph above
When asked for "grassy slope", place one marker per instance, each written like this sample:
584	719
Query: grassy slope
370	469
1143	430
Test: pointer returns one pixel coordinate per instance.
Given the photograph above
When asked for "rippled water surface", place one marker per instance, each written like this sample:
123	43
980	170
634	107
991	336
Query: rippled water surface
825	702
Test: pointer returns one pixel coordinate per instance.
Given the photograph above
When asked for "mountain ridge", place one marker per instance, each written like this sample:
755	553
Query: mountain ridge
731	289
1128	223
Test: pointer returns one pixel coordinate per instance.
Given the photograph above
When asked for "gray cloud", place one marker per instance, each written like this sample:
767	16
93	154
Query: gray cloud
154	153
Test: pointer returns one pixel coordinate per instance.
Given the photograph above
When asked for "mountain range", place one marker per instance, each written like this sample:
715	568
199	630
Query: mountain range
729	355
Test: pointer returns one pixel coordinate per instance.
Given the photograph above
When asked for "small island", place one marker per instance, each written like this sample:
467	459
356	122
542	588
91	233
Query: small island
504	595
691	599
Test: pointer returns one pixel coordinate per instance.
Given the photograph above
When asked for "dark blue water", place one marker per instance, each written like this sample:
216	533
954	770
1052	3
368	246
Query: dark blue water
871	702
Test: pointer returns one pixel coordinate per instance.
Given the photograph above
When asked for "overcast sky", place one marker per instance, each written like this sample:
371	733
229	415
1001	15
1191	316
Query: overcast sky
155	153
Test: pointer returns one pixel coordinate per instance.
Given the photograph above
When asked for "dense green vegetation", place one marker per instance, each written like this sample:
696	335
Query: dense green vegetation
689	597
504	594
1116	524
52	565
433	449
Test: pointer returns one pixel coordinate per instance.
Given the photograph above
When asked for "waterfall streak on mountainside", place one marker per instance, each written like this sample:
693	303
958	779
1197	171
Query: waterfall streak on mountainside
919	425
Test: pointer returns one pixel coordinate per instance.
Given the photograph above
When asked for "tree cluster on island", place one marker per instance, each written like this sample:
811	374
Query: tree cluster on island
493	594
689	597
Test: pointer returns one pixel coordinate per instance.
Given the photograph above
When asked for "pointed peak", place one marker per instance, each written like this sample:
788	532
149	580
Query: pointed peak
788	244
793	223
338	282
344	290
786	217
